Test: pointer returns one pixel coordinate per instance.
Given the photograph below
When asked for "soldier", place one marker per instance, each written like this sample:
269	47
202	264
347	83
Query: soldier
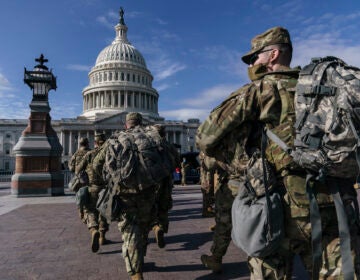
269	100
79	154
76	159
207	186
184	167
230	164
163	194
97	224
135	221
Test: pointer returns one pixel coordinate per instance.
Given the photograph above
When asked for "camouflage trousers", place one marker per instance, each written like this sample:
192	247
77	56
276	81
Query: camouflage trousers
134	224
208	200
91	216
163	204
298	242
224	198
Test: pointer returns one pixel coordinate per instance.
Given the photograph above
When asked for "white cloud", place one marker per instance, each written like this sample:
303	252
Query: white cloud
211	97
4	83
79	67
160	21
162	67
185	113
167	69
162	87
104	21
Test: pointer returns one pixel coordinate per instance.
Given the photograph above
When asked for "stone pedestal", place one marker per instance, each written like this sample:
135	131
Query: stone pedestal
38	156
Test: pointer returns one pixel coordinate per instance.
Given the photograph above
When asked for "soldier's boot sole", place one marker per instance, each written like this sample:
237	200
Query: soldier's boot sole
211	263
103	240
137	276
159	236
95	236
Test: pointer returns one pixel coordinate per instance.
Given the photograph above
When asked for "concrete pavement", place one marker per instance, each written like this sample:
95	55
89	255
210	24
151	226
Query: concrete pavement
43	238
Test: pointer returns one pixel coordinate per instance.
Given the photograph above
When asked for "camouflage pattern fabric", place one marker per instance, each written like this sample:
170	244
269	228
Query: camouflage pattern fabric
77	157
163	204
298	235
135	224
92	218
224	198
136	159
270	100
96	184
207	171
327	98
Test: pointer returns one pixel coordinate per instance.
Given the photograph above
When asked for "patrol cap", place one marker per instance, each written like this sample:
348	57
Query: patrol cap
100	137
134	116
272	36
84	141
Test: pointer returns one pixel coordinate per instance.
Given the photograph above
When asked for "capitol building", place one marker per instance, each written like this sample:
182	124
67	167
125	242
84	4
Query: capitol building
119	83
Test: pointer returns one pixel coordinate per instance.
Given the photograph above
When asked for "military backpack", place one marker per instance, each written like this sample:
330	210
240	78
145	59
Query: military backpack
136	159
327	110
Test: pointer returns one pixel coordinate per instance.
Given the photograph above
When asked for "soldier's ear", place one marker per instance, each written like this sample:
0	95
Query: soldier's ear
274	55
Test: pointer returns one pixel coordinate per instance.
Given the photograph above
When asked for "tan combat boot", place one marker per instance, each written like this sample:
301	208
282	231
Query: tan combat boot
137	276
95	235
159	235
212	262
102	239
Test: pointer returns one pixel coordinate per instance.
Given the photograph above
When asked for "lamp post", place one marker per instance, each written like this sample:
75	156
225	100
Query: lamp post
38	151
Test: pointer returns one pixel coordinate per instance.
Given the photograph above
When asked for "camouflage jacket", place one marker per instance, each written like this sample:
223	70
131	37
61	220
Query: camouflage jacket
77	157
86	164
231	131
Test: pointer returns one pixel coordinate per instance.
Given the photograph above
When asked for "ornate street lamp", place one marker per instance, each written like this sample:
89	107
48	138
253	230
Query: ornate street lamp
40	80
38	151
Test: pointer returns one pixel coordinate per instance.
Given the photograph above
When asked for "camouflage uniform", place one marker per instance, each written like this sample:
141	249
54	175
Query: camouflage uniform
77	157
96	184
164	192
231	161
135	222
269	99
135	225
207	186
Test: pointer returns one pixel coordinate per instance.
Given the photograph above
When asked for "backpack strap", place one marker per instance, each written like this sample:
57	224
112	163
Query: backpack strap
316	231
344	234
266	181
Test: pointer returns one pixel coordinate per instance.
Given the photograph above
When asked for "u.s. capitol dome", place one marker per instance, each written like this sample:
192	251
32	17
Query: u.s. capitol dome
120	81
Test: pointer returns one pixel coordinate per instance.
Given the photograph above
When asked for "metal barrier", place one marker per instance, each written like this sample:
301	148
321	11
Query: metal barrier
5	176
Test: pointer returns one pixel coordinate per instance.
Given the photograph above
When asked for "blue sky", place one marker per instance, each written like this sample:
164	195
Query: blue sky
192	48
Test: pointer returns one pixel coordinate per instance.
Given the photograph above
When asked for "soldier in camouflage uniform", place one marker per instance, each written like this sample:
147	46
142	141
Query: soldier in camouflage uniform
97	224
136	219
207	186
79	154
269	100
229	168
76	159
164	200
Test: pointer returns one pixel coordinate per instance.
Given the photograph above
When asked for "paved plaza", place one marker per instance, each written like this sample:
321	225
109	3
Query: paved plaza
43	238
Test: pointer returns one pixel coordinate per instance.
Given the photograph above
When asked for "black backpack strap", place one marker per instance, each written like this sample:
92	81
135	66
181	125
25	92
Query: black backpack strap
316	231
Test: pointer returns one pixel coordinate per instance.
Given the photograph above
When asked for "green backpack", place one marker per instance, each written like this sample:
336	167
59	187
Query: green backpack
136	159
